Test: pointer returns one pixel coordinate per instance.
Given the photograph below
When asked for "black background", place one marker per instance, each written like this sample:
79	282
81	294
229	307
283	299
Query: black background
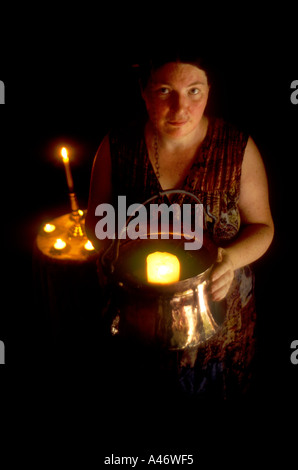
68	79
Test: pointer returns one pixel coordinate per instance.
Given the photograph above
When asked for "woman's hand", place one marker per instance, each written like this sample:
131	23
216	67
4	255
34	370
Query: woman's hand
221	276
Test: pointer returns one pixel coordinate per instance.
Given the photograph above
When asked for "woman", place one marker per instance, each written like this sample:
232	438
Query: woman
180	147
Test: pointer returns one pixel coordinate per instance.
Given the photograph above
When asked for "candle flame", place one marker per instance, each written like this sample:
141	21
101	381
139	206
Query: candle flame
88	246
59	244
64	154
162	268
48	228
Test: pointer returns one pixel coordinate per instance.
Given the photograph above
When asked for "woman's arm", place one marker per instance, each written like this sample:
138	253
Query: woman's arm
257	226
100	190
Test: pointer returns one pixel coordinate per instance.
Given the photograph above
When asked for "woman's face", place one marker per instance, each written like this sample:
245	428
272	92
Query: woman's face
176	97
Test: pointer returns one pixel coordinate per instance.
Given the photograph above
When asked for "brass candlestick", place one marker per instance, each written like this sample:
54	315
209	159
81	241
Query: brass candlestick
78	228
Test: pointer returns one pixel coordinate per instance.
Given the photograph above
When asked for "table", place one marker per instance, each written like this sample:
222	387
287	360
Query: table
67	293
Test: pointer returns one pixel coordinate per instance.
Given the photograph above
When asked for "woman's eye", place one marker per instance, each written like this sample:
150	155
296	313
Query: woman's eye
194	91
164	91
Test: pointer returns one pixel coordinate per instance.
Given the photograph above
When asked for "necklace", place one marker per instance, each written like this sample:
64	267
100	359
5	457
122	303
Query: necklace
156	154
155	143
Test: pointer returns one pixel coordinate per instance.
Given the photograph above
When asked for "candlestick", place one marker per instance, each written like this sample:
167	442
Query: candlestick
162	268
77	230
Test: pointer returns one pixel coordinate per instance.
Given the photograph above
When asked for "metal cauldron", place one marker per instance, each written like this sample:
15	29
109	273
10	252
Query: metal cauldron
174	316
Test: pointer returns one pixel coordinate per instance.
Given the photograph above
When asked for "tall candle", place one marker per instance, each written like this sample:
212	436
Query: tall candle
69	179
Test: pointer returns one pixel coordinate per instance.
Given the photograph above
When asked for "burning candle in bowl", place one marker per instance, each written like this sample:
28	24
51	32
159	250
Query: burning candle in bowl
162	268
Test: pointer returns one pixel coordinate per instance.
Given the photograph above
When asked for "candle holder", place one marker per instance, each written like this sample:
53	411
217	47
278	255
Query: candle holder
78	228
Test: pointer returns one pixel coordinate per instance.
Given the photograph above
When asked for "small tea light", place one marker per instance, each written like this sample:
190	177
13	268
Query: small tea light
88	246
59	244
48	228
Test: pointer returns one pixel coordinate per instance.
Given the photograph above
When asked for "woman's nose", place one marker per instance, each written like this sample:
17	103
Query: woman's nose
178	103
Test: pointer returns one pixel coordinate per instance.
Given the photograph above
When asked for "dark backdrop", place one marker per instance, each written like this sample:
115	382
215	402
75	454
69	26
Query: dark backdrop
71	89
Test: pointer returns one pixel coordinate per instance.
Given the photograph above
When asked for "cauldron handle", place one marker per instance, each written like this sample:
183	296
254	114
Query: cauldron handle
116	241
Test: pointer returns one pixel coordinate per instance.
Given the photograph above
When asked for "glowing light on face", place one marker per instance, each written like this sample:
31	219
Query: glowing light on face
176	98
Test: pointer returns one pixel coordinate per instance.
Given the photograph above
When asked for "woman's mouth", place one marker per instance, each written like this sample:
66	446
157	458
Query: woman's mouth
177	123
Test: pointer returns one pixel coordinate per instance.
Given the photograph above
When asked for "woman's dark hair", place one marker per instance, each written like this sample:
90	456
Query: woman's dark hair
153	60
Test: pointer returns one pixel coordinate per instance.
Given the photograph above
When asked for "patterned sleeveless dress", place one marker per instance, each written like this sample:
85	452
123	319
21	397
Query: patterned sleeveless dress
223	366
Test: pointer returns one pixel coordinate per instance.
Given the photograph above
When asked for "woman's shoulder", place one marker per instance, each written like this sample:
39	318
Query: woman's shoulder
228	130
223	153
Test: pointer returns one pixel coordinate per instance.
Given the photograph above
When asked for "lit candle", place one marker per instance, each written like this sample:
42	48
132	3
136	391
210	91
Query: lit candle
69	179
88	246
59	244
48	228
162	268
